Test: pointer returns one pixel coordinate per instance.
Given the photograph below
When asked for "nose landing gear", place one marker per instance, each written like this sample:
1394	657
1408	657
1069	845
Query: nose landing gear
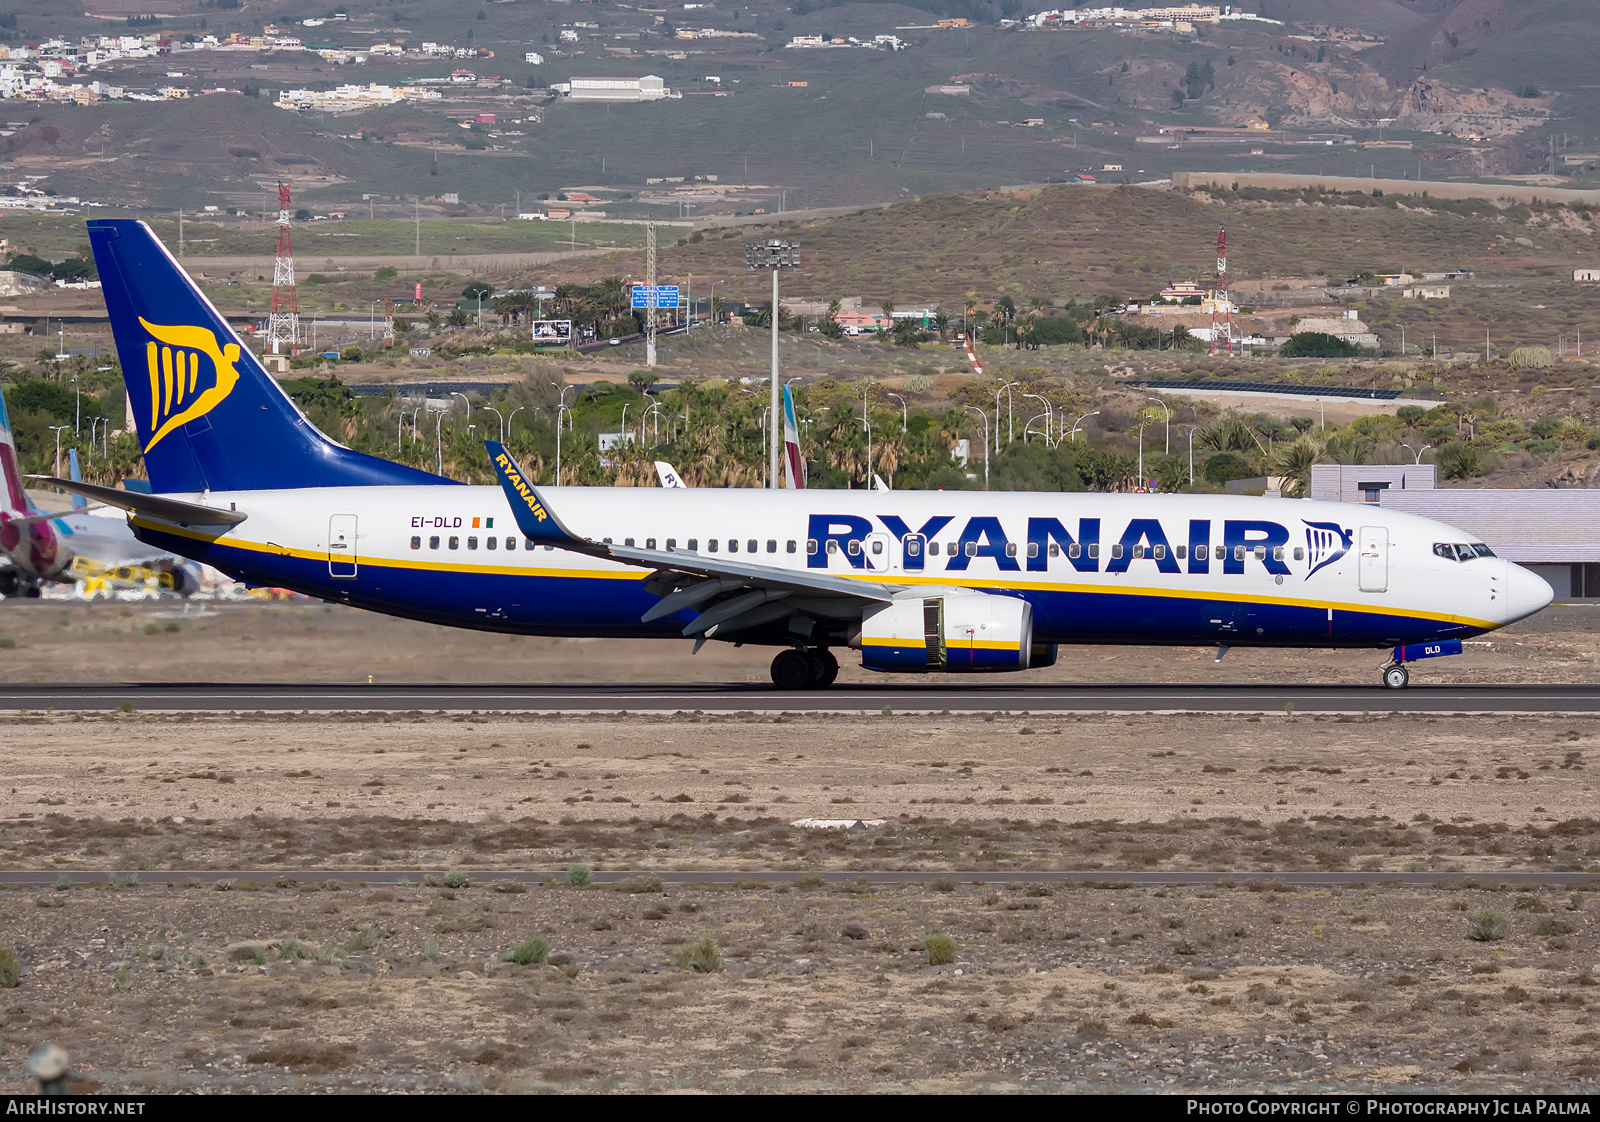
798	670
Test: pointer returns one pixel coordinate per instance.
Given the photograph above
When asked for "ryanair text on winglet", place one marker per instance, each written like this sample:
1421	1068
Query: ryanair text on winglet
515	479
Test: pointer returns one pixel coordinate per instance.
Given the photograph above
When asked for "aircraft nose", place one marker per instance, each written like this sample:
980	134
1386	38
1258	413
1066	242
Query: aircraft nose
1526	592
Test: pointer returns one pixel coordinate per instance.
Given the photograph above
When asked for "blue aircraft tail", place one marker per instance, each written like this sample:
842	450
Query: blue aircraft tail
209	415
75	473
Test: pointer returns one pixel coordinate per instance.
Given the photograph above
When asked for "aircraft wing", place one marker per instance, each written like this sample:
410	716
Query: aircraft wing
731	594
153	506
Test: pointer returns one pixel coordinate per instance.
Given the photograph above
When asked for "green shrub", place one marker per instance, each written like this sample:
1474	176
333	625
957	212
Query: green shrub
579	875
1486	925
940	949
10	968
293	950
702	956
63	883
455	878
943	884
123	880
7	643
1550	925
811	880
644	884
529	952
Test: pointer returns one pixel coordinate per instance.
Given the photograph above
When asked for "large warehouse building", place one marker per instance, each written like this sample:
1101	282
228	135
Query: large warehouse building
648	88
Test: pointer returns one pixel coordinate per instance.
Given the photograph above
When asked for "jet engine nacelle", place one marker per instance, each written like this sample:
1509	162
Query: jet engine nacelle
957	632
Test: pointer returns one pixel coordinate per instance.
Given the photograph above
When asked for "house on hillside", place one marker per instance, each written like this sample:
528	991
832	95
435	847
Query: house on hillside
857	320
1586	274
1427	292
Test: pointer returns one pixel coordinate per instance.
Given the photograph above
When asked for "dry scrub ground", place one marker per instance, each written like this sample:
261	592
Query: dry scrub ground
298	981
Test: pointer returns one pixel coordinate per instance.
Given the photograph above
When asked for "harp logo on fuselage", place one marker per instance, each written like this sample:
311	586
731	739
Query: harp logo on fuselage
182	387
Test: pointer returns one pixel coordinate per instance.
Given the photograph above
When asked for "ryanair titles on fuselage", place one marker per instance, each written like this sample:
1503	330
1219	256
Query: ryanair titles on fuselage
1202	544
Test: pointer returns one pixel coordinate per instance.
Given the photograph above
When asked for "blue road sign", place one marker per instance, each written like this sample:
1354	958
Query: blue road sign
666	296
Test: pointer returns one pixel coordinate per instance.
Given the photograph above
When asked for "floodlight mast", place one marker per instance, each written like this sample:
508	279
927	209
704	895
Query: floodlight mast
773	254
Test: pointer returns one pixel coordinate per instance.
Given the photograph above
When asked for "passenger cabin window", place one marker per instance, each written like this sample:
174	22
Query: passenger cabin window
972	549
1299	553
649	543
913	547
854	547
672	543
1261	553
811	546
752	546
1094	549
833	546
791	545
455	543
694	545
1116	551
628	542
877	547
1222	553
1138	551
527	543
1033	549
1238	553
772	545
1055	550
548	548
1011	549
511	543
1277	553
491	543
933	549
472	542
416	543
433	542
733	545
711	545
1180	551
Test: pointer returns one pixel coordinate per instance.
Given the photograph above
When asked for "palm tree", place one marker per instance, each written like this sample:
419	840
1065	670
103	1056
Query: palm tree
1293	461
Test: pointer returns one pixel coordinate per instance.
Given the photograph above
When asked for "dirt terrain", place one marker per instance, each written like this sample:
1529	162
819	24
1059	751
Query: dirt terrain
306	977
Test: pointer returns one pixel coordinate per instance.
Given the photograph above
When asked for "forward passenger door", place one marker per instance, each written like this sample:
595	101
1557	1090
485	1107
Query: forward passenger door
1373	542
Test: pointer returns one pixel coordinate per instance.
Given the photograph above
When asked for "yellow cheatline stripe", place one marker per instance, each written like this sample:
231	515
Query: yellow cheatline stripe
909	644
898	579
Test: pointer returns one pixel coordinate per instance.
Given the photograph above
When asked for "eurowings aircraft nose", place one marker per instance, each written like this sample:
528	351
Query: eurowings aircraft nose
1526	592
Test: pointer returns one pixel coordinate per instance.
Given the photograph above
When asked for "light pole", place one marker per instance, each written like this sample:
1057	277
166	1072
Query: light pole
905	412
562	387
997	394
57	430
1074	434
773	254
1163	405
511	418
1191	454
1049	416
399	430
77	405
1417	452
866	396
711	303
985	417
496	412
438	442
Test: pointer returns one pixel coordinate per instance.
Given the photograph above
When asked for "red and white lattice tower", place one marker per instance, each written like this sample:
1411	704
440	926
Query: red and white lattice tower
1221	306
283	324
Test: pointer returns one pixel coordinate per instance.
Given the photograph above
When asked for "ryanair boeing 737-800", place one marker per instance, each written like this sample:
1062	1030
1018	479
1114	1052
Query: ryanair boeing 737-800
950	582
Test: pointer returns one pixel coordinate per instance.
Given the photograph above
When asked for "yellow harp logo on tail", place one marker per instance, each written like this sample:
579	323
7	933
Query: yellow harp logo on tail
179	392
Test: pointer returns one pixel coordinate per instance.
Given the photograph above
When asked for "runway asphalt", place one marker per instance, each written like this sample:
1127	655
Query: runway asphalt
1092	878
934	697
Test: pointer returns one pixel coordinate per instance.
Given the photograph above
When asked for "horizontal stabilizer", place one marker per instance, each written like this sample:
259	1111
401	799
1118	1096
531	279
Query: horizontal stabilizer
152	506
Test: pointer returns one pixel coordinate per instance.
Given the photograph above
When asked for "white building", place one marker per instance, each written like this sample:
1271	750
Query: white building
648	88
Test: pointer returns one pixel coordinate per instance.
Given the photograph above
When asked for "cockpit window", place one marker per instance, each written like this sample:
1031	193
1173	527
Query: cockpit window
1452	551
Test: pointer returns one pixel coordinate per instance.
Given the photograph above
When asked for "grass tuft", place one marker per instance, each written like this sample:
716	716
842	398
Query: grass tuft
10	968
123	880
939	948
702	956
455	878
641	885
529	952
63	883
1486	925
579	875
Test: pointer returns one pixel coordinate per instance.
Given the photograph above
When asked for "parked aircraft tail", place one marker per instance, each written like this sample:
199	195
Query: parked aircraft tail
209	416
75	473
796	475
13	500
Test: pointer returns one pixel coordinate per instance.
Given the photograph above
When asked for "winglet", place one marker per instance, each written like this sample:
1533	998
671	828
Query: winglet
534	517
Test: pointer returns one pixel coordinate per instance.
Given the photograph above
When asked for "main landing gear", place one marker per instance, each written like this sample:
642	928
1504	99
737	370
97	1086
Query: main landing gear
798	669
1396	676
